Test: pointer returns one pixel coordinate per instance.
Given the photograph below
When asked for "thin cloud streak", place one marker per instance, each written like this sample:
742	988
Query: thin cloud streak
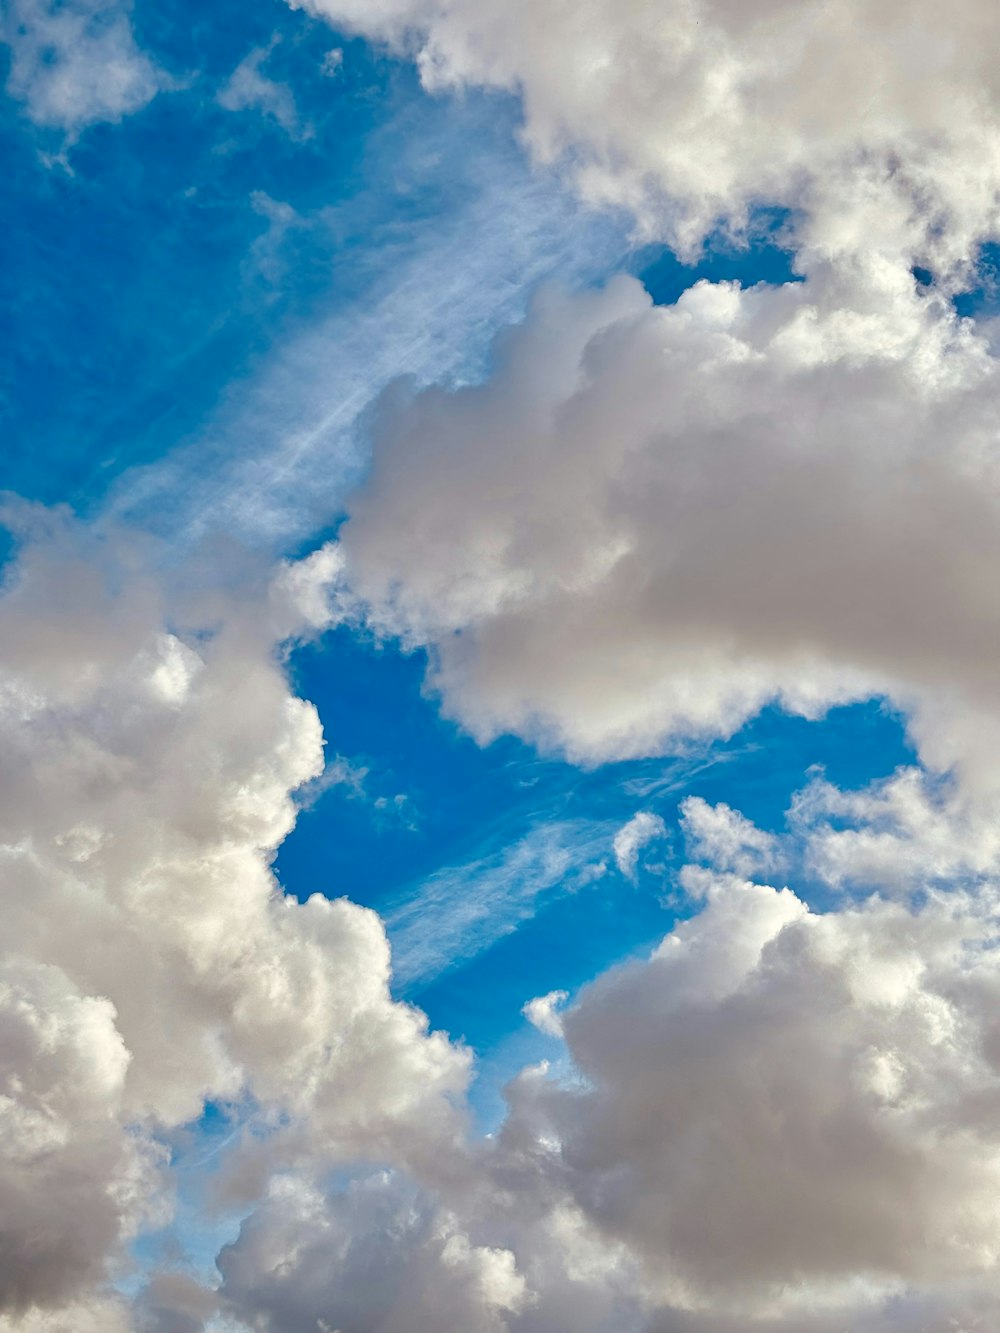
284	449
462	911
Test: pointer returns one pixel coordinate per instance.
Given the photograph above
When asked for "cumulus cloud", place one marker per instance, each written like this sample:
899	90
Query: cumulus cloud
151	961
781	1111
876	123
63	1066
543	1012
651	521
642	527
75	64
378	1257
904	834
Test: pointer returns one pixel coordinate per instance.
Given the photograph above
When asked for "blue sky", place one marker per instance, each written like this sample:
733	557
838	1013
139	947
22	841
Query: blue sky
204	298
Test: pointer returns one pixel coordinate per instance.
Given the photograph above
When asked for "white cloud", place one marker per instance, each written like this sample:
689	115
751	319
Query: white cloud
649	522
878	123
779	1109
63	1067
543	1012
249	89
642	829
75	64
379	1256
904	834
153	962
726	839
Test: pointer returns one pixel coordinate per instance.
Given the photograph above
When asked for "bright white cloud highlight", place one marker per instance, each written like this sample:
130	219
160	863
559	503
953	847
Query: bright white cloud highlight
725	838
543	1012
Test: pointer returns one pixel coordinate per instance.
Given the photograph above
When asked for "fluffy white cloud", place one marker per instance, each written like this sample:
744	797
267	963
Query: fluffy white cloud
63	1067
151	961
651	521
781	1112
77	63
542	1012
879	122
903	834
725	838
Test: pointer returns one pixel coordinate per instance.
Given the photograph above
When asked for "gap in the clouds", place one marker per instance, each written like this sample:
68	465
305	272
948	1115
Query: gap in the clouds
762	254
982	299
420	812
200	1225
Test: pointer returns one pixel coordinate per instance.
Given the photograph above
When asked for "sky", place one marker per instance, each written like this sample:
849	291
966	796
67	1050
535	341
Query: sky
500	506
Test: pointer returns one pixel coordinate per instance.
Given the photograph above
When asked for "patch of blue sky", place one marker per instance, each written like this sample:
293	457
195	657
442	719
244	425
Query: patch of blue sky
982	299
239	271
762	253
482	860
130	275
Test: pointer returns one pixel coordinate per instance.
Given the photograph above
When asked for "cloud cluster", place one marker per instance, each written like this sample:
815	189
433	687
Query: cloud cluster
378	1257
641	830
150	962
76	64
780	1121
878	122
780	1108
651	521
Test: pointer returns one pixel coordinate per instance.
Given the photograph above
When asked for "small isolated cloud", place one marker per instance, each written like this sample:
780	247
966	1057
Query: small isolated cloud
77	63
726	839
333	63
249	89
543	1012
642	829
